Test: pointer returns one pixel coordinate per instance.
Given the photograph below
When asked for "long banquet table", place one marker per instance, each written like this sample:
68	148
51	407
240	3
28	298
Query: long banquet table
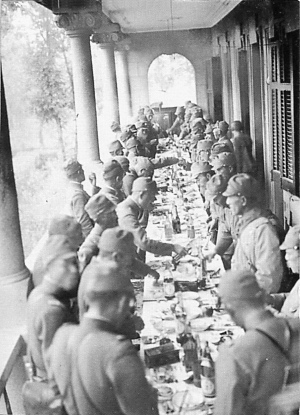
177	393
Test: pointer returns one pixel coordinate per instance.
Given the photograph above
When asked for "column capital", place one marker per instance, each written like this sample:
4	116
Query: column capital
106	39
82	22
123	45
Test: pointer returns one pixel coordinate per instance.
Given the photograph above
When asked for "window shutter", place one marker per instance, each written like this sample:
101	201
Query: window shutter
275	130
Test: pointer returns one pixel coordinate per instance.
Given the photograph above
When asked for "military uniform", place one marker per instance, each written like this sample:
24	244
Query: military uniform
45	315
129	217
78	198
115	195
257	249
107	376
288	303
252	369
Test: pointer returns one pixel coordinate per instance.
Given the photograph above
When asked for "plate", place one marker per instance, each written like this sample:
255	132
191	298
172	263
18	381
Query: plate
164	393
189	295
201	324
188	400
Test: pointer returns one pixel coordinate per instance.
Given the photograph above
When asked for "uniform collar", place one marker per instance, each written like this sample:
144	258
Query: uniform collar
98	323
249	217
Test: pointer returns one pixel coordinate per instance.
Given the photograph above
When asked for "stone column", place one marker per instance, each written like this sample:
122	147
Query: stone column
108	70
121	50
79	27
13	272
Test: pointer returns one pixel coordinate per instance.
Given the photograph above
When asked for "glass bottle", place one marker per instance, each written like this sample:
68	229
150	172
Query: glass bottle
168	284
190	227
168	228
175	220
207	373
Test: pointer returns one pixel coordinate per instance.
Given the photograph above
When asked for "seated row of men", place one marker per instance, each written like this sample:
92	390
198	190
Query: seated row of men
94	363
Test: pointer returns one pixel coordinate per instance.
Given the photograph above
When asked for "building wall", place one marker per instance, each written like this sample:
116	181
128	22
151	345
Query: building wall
249	42
195	45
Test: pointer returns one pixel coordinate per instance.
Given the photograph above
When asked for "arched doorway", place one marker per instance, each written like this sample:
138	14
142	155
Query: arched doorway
171	80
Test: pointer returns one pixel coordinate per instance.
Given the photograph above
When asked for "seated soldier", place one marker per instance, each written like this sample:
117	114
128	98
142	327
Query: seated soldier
201	172
115	148
103	211
225	165
257	247
116	245
139	167
107	376
124	162
59	225
113	181
130	213
77	197
253	368
49	303
288	303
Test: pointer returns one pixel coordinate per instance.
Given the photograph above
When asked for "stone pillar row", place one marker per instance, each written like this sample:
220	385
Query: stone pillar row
81	27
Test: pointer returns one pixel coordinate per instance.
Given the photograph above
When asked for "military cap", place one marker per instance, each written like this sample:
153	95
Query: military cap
197	111
223	126
242	184
149	111
112	169
57	246
123	161
99	204
207	117
144	184
196	122
125	136
223	159
64	225
115	126
139	163
218	148
239	285
71	166
204	145
142	124
116	239
236	126
292	239
179	110
114	146
200	167
132	143
216	186
104	276
131	127
208	129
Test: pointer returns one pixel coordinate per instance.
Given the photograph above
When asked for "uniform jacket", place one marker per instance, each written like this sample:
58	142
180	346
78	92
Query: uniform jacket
288	303
77	199
107	376
45	315
130	216
128	180
251	370
116	196
257	249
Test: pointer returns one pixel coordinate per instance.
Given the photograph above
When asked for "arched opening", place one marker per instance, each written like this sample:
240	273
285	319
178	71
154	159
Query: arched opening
171	80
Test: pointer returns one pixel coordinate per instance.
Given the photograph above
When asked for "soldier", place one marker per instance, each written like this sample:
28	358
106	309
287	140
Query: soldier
77	197
124	162
115	148
257	247
179	120
130	213
103	211
254	367
139	167
49	303
59	225
225	165
288	303
107	376
204	150
113	181
242	144
201	172
116	245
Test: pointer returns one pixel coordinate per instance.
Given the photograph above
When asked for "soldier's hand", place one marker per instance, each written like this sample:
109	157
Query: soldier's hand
180	251
92	179
209	255
154	274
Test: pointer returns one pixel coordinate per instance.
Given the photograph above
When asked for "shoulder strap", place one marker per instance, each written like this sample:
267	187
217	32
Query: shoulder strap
287	368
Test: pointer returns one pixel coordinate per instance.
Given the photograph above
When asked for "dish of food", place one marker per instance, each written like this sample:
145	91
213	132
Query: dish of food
188	400
164	393
189	295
